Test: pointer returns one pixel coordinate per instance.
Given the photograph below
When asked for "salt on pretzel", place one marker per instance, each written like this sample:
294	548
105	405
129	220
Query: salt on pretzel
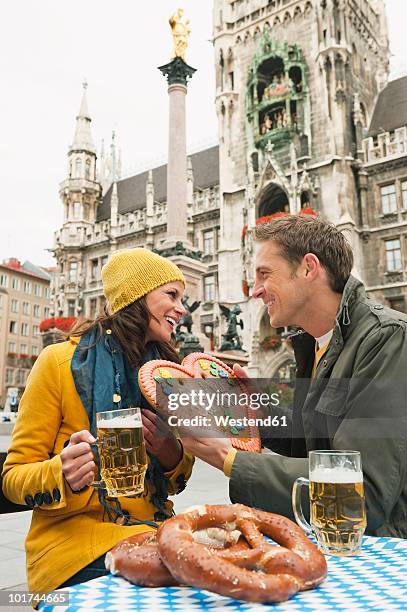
282	571
137	558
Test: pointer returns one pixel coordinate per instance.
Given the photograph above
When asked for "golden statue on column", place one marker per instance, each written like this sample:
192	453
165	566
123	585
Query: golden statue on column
180	32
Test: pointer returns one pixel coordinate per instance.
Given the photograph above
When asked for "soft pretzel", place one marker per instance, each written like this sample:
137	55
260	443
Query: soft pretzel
137	558
281	571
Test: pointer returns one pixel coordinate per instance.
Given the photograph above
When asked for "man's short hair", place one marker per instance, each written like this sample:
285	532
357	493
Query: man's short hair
297	235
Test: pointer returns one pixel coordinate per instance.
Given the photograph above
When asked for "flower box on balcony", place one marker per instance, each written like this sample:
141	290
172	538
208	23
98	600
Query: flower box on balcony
271	343
61	323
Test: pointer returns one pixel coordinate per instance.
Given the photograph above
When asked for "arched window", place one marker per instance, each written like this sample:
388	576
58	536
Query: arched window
78	168
270	75
286	372
72	271
255	161
305	199
87	170
76	210
364	116
295	75
273	200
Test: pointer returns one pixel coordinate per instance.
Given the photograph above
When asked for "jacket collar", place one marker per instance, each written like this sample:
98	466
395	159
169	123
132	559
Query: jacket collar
304	342
353	291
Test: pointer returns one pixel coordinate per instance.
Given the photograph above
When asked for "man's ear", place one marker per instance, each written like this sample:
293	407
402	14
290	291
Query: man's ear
311	265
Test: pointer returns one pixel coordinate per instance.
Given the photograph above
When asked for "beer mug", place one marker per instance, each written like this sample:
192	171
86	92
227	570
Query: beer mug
122	452
337	502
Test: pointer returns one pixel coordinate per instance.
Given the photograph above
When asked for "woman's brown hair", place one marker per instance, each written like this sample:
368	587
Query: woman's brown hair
129	327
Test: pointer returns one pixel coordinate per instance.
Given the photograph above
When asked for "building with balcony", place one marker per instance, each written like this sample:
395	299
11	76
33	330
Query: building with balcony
24	303
385	202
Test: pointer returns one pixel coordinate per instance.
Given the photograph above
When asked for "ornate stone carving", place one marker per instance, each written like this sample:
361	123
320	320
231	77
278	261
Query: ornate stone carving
177	72
179	249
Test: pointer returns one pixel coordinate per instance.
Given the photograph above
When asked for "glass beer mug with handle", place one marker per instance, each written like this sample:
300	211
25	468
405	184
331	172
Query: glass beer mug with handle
122	452
337	502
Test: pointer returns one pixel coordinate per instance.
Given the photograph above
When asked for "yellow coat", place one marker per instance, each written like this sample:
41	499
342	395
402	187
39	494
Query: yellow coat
66	534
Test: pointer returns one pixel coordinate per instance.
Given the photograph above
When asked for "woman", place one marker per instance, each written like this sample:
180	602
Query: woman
50	464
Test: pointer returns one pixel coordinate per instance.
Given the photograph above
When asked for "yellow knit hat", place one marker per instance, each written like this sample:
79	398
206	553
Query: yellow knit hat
130	274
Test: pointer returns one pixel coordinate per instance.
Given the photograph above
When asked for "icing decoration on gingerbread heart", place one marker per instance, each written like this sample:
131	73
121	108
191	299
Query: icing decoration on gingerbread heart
168	376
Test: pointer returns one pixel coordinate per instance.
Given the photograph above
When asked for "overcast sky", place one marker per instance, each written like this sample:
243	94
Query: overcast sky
47	48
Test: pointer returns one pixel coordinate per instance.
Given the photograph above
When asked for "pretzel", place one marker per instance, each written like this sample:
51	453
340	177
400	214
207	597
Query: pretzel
281	571
137	558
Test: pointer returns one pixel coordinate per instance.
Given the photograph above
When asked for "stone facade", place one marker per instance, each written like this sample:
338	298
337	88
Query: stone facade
297	85
297	82
385	210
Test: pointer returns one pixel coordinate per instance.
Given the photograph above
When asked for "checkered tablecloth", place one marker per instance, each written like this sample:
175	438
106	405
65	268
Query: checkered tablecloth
376	580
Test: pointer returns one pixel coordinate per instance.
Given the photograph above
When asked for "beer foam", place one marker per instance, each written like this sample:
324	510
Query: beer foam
129	422
336	476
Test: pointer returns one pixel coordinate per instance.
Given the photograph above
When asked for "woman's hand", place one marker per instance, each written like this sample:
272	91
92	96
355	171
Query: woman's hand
160	441
78	464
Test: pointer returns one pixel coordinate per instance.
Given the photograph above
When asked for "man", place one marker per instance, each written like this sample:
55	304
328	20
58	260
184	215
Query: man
351	388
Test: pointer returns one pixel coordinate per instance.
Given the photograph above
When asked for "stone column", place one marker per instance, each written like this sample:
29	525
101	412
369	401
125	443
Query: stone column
177	73
177	247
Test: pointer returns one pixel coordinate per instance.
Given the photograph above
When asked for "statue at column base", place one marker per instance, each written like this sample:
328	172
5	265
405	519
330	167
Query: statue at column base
190	344
231	340
179	249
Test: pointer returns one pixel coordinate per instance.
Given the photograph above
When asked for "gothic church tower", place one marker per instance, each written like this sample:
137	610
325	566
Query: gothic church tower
296	85
80	193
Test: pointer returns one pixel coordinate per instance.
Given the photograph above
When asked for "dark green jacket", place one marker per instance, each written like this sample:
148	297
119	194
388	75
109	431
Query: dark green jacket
357	400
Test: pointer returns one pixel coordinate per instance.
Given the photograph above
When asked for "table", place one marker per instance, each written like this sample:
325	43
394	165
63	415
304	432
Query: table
374	580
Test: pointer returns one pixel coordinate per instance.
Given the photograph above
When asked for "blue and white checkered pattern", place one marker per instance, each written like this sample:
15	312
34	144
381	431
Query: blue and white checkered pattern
376	579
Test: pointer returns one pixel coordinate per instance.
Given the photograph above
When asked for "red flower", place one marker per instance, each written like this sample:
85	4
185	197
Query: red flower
304	211
245	287
271	217
270	342
244	231
308	211
61	323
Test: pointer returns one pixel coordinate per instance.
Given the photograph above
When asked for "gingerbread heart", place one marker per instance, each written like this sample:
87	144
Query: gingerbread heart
167	376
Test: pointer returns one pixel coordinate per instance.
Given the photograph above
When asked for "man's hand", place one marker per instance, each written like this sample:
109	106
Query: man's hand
211	450
160	441
78	464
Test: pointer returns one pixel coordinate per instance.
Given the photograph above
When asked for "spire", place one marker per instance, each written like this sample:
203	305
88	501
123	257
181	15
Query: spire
150	197
149	210
102	169
119	165
113	156
83	138
190	186
114	207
